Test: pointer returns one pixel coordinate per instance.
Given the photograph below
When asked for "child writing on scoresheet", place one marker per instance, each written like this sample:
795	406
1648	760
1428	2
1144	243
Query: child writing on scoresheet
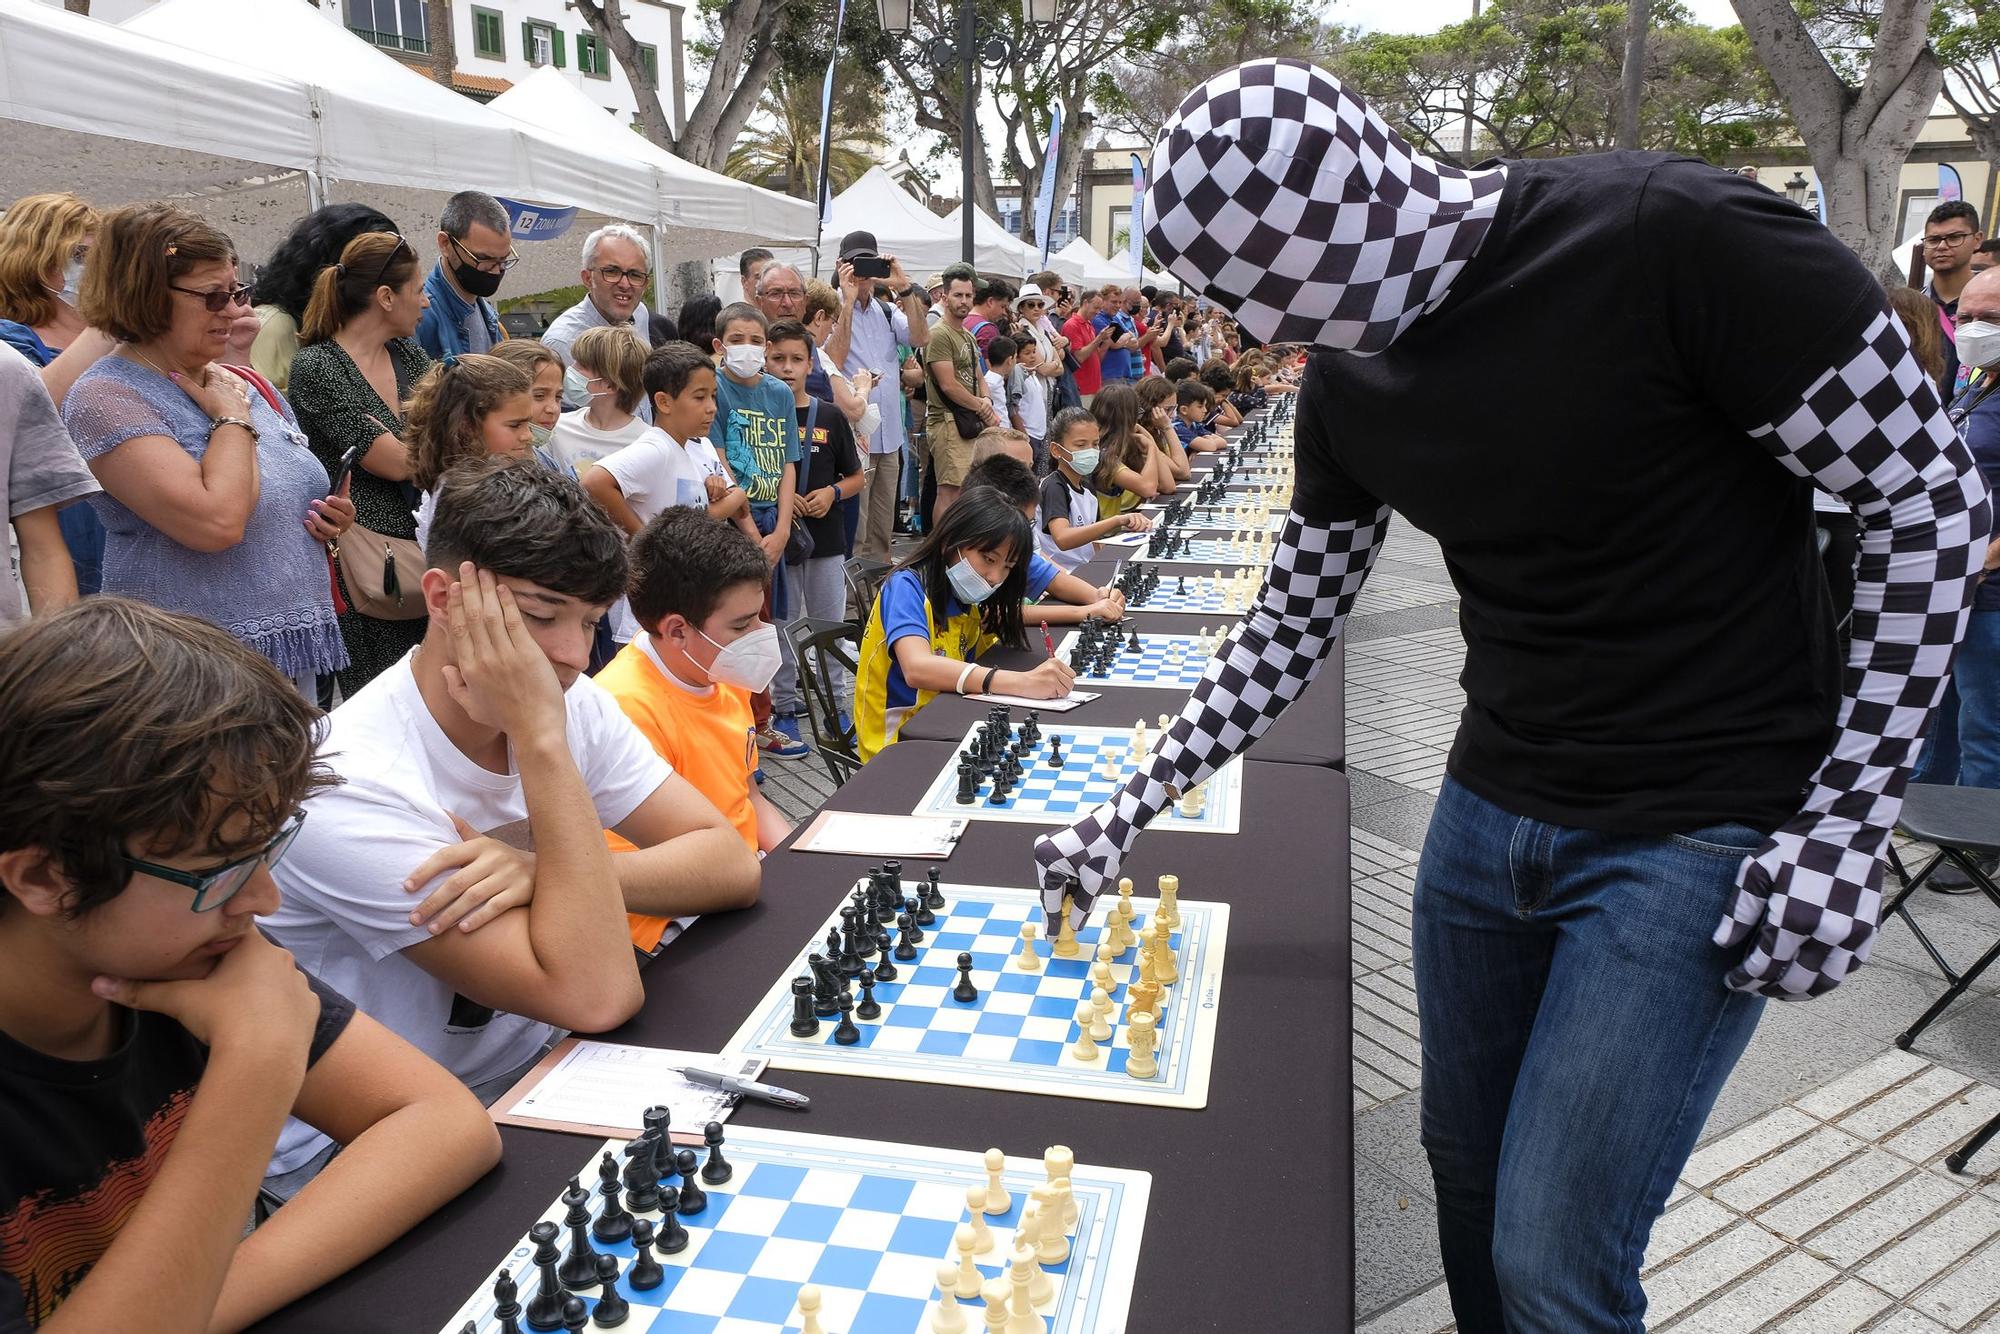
1071	527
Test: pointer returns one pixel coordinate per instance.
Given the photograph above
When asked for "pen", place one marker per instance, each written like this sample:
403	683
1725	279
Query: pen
1048	640
746	1088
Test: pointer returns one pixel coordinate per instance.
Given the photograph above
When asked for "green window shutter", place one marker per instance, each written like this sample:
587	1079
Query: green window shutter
557	37
527	41
649	60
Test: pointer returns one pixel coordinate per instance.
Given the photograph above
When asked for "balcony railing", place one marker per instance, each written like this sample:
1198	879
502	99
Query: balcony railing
394	41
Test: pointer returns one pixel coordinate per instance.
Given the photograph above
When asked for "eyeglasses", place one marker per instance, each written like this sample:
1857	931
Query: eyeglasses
611	273
783	293
1948	241
489	263
219	300
218	884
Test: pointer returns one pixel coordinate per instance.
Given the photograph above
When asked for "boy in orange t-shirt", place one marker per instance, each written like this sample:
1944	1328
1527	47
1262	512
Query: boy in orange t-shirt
697	589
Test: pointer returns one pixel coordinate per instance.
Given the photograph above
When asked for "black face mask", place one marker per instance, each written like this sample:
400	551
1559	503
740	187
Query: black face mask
475	282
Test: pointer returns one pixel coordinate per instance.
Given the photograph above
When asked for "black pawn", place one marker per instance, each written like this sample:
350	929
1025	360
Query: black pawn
868	1008
933	896
919	914
506	1304
845	1033
613	1223
963	991
1055	752
672	1238
642	1180
906	947
575	1315
717	1169
545	1307
804	1023
693	1199
645	1273
612	1307
579	1267
885	971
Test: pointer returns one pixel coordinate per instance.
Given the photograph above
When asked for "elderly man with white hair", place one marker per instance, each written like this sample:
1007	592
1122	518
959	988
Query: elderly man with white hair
616	270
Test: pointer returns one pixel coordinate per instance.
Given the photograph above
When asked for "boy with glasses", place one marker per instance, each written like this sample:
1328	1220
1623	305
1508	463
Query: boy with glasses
1951	237
152	1041
475	250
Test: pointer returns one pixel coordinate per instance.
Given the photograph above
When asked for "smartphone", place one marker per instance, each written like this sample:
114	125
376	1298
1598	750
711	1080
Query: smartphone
870	266
347	462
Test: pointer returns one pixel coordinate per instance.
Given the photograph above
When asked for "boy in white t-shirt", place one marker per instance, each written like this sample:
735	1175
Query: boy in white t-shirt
396	891
673	463
1000	354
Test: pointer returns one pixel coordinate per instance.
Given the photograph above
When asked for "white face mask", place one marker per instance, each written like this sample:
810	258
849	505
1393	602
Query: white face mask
968	583
1085	461
577	385
749	662
745	361
1978	343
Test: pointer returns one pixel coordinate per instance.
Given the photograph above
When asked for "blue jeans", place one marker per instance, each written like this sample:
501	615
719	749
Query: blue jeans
1576	1032
1976	674
1938	761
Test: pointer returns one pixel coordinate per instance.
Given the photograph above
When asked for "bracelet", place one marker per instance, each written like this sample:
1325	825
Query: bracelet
221	422
960	687
987	687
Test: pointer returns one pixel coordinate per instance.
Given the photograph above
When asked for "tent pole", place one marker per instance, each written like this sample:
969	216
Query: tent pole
315	191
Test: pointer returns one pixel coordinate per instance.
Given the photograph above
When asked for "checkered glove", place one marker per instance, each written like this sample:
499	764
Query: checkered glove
1273	655
1872	431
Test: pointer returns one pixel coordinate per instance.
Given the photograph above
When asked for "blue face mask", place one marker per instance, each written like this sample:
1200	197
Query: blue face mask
970	586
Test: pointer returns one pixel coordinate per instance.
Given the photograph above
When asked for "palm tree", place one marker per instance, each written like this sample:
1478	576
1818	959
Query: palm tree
783	143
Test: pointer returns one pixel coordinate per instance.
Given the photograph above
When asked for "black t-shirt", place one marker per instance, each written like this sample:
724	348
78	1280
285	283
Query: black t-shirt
1948	379
81	1141
826	457
1649	637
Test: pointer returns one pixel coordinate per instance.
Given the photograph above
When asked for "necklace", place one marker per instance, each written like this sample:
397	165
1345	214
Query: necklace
153	365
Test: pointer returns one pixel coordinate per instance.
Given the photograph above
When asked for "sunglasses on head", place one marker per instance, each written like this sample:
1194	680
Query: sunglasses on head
219	300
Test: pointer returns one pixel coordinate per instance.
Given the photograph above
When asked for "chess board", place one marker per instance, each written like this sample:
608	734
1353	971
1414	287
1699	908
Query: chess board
869	1223
1224	517
1207	551
1017	1035
1204	593
1164	662
1047	795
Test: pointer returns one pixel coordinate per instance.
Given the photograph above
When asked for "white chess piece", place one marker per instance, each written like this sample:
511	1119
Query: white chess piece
809	1304
1020	1278
969	1277
1139	743
948	1318
1100	1015
1170	900
995	1294
1190	806
1028	960
1058	1160
1125	914
1066	1194
998	1201
1085	1048
1163	723
975	1204
1139	1035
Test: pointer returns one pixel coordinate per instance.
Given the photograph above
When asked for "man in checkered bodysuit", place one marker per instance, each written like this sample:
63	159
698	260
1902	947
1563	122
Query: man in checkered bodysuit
1607	385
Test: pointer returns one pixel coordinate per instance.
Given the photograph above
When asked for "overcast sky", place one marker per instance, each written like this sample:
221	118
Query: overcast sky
1430	15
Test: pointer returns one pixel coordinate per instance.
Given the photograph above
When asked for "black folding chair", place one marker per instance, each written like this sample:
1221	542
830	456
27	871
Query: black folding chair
863	578
1963	823
818	647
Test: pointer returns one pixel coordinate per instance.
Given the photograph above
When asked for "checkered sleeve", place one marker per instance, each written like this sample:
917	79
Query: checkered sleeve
1273	654
1872	431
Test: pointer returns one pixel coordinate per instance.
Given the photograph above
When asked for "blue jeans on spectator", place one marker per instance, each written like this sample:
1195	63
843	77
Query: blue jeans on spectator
1938	761
1975	673
1576	1032
785	685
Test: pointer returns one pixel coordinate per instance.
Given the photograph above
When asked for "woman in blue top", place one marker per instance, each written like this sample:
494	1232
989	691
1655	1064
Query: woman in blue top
212	504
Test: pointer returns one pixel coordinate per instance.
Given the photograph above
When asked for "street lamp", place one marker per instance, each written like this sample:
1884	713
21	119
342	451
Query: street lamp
1795	188
967	51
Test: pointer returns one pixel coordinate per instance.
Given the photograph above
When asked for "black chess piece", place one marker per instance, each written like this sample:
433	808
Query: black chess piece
671	1238
693	1198
1132	644
826	985
850	961
717	1169
920	913
906	945
645	1273
1055	751
658	1118
544	1310
963	991
506	1306
1181	587
612	1308
845	1033
933	896
642	1178
833	942
869	1008
804	1023
968	784
892	882
575	1315
579	1266
613	1223
998	796
885	970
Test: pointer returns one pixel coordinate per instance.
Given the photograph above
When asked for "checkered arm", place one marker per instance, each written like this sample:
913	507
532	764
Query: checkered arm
1316	572
1872	431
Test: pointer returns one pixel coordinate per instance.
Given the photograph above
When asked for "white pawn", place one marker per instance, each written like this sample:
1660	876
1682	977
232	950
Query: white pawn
975	1204
995	1294
1086	1047
1020	1274
948	1318
968	1277
809	1304
1163	723
1124	916
1029	960
1100	1015
998	1201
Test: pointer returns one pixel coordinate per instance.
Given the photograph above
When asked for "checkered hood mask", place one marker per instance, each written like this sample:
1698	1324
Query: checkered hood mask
1285	198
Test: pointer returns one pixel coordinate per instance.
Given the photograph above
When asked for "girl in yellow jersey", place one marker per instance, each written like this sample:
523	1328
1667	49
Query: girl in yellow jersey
1131	469
955	596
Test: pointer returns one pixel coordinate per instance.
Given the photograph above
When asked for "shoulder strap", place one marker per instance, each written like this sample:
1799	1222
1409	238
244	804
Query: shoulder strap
264	387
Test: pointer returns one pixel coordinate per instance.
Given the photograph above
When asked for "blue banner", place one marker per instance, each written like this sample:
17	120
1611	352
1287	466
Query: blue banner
536	222
826	124
1949	185
1045	198
1138	219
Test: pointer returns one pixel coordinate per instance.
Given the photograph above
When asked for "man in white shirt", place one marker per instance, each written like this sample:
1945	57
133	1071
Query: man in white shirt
397	893
616	273
869	334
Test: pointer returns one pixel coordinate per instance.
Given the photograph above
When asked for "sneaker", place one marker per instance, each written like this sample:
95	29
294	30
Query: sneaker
774	742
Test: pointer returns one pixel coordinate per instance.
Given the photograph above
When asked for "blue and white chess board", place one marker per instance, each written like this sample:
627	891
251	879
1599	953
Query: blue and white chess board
1194	591
1096	761
869	1223
1018	1035
1165	662
1208	551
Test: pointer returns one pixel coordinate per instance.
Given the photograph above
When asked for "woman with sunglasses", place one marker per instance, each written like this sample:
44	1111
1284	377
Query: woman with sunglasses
349	382
212	503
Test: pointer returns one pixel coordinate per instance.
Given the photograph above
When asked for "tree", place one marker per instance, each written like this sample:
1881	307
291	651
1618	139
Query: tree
1632	76
442	42
1151	82
786	142
1858	135
1968	43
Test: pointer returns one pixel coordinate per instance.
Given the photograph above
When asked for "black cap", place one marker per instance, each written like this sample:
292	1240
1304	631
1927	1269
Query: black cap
857	243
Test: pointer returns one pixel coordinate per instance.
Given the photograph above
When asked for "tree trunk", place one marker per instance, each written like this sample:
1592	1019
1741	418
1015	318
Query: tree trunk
745	57
78	7
443	44
1632	79
1858	139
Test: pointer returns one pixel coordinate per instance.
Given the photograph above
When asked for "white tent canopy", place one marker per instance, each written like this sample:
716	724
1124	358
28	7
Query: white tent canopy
989	232
919	238
1080	263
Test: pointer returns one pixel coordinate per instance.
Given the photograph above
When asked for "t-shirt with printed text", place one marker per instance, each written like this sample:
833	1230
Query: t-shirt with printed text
754	423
